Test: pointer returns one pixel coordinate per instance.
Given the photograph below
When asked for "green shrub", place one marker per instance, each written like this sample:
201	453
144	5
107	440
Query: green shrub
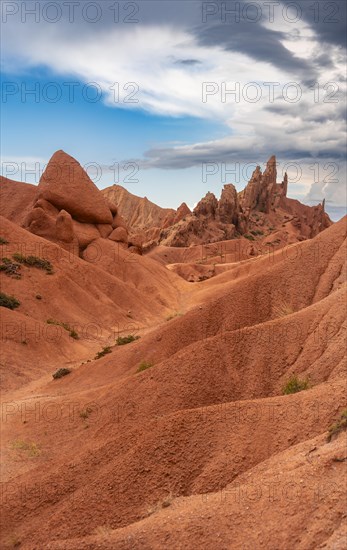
65	326
103	352
338	426
144	365
33	261
10	268
8	301
249	237
122	340
294	385
61	372
3	241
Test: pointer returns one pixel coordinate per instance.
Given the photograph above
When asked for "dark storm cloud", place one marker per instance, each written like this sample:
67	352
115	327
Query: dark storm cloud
258	43
305	112
197	155
327	19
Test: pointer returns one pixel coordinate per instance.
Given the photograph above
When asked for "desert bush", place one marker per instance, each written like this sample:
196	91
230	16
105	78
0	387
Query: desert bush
85	413
8	301
103	352
283	309
144	365
61	372
31	447
65	326
173	315
294	385
10	268
338	426
3	241
122	340
249	237
33	261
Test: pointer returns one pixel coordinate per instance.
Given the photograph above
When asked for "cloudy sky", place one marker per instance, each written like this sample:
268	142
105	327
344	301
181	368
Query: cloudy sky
175	98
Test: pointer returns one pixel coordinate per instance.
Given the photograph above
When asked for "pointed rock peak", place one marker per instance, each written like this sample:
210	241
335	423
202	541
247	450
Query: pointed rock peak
229	187
184	208
256	174
62	162
66	185
270	173
207	205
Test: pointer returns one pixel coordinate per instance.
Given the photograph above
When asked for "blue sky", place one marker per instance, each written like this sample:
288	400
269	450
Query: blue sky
175	127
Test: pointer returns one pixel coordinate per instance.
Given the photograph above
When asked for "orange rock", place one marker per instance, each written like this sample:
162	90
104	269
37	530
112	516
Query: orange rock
119	235
67	186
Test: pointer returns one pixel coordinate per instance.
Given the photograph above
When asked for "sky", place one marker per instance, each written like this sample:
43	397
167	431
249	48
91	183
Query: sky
175	98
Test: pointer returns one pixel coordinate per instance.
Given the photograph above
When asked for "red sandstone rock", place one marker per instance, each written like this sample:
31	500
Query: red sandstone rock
67	186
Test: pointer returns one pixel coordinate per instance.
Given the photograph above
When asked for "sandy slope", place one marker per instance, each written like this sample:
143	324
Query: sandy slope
201	450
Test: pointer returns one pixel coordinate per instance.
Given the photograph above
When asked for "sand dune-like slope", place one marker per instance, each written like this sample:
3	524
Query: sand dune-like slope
99	303
201	449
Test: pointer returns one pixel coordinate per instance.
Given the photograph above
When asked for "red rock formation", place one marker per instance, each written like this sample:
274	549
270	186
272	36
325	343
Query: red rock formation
64	227
67	186
119	235
207	206
139	213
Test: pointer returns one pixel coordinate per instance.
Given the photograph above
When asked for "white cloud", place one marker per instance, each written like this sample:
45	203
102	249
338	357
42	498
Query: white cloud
151	56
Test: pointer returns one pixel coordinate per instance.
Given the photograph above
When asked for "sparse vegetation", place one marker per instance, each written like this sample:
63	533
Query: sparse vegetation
65	326
31	447
283	309
103	352
61	372
33	261
3	241
249	237
174	315
294	385
85	413
8	301
338	426
10	268
122	340
144	365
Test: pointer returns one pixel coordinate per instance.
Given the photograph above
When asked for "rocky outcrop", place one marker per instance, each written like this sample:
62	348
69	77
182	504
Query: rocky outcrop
139	213
104	229
255	212
262	192
64	227
67	186
207	206
70	210
119	221
228	210
119	235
